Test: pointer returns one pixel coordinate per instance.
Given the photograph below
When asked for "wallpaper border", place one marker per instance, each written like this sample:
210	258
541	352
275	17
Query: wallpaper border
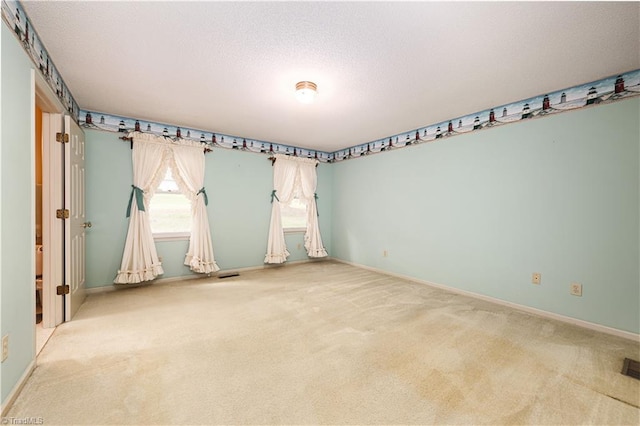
606	90
27	35
209	139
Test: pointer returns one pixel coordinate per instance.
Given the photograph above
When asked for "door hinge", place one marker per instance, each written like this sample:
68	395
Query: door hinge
62	137
62	214
62	289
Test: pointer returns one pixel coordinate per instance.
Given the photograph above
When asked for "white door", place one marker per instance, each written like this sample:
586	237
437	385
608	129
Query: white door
75	226
53	228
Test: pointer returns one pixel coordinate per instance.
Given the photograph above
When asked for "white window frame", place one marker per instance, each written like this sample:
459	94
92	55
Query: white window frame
294	230
170	236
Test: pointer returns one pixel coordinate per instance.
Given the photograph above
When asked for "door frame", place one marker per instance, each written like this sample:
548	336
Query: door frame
52	236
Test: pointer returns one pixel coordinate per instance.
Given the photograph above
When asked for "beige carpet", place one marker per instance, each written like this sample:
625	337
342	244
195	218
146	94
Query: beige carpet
323	343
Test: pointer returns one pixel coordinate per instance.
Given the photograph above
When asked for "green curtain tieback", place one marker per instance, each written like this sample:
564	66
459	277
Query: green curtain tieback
273	195
204	194
139	193
315	197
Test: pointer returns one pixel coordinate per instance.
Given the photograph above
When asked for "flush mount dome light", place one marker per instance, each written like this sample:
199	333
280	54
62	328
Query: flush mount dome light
306	91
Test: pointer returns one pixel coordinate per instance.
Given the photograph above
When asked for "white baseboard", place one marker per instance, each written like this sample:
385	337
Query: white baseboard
11	398
113	287
539	312
108	288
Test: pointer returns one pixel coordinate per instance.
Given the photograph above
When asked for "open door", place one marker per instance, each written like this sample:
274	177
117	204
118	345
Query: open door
75	226
53	227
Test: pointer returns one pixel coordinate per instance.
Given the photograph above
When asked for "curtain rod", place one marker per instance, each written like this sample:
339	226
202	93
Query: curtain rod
273	161
124	138
206	148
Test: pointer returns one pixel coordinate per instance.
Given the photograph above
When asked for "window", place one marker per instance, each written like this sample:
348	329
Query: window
170	211
294	214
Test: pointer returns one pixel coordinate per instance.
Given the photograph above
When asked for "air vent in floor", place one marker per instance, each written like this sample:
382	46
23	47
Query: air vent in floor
631	368
233	274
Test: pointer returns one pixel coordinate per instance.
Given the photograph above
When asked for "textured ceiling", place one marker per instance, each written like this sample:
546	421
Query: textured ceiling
381	67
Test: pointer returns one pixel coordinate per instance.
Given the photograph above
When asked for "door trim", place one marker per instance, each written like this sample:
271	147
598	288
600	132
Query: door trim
51	178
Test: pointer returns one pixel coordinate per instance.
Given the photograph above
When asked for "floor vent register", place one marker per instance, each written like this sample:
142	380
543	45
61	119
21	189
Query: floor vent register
232	274
631	368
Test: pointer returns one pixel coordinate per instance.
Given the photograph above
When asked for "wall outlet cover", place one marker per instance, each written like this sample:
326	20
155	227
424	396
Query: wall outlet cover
576	289
536	277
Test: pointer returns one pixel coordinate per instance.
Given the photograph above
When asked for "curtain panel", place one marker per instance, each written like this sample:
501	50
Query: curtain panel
140	260
151	156
291	174
188	164
309	183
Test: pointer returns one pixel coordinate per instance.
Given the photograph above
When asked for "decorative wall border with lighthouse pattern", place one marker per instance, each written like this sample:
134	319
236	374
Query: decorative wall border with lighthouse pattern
119	124
17	20
602	91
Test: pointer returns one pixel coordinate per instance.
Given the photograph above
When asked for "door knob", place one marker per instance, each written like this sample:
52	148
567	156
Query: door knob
86	225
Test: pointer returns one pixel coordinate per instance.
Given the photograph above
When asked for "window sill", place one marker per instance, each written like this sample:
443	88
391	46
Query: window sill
171	236
295	230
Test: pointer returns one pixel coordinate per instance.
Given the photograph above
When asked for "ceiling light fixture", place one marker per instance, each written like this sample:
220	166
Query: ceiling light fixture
306	91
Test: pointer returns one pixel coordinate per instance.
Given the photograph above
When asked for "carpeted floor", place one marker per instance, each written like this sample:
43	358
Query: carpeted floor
322	343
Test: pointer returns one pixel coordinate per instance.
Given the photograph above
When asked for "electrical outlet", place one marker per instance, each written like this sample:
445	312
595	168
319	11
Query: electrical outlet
5	347
535	278
385	253
299	246
576	289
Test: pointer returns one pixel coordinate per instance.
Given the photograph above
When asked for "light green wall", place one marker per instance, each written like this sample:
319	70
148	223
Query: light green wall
17	185
481	212
238	186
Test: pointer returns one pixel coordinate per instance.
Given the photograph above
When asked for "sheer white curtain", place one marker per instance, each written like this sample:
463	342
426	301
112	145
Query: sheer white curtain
309	182
284	176
290	174
140	260
188	166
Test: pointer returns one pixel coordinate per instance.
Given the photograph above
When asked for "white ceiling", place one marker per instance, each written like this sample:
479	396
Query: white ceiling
382	68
